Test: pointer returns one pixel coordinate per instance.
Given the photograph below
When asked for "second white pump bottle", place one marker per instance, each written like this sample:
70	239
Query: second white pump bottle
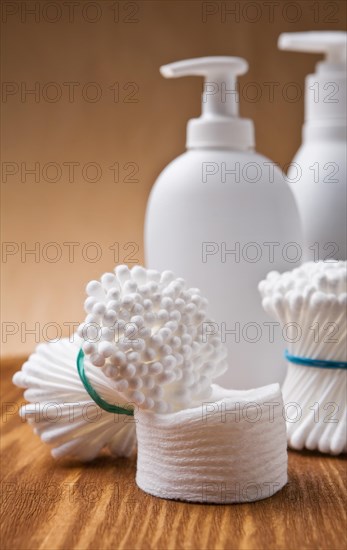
222	216
318	172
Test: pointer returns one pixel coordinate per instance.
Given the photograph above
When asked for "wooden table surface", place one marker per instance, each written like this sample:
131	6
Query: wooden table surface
48	504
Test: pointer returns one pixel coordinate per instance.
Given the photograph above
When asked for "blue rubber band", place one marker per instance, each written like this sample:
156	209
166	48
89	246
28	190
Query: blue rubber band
94	394
318	363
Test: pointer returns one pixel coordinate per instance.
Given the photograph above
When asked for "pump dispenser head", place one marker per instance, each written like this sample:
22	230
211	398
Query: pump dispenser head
219	125
325	98
332	43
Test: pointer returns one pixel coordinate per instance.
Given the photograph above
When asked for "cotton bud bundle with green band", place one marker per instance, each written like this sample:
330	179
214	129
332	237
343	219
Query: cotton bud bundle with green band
61	411
149	334
311	304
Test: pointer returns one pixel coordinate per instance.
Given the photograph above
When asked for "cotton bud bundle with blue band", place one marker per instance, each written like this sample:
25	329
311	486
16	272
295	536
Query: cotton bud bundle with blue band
310	302
148	333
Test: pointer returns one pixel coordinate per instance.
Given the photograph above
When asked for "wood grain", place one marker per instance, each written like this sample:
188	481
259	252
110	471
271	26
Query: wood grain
49	504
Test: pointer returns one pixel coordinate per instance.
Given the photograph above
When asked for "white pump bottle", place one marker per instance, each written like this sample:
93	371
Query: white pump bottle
222	216
317	174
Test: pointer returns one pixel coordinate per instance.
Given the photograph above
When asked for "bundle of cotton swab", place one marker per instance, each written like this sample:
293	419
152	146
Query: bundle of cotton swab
146	331
60	409
310	302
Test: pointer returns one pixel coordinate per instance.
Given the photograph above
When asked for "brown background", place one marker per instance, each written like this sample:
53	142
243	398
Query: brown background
124	47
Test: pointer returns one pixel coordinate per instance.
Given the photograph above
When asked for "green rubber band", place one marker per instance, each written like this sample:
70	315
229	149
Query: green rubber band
93	393
318	363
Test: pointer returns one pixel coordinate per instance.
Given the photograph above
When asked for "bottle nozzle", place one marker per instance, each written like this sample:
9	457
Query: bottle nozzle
331	43
210	67
220	96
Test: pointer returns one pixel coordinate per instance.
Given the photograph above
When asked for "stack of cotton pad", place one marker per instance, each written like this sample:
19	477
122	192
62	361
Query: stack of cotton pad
230	449
311	304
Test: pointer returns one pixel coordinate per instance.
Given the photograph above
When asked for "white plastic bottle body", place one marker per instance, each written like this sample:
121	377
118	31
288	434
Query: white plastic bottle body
222	220
317	178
